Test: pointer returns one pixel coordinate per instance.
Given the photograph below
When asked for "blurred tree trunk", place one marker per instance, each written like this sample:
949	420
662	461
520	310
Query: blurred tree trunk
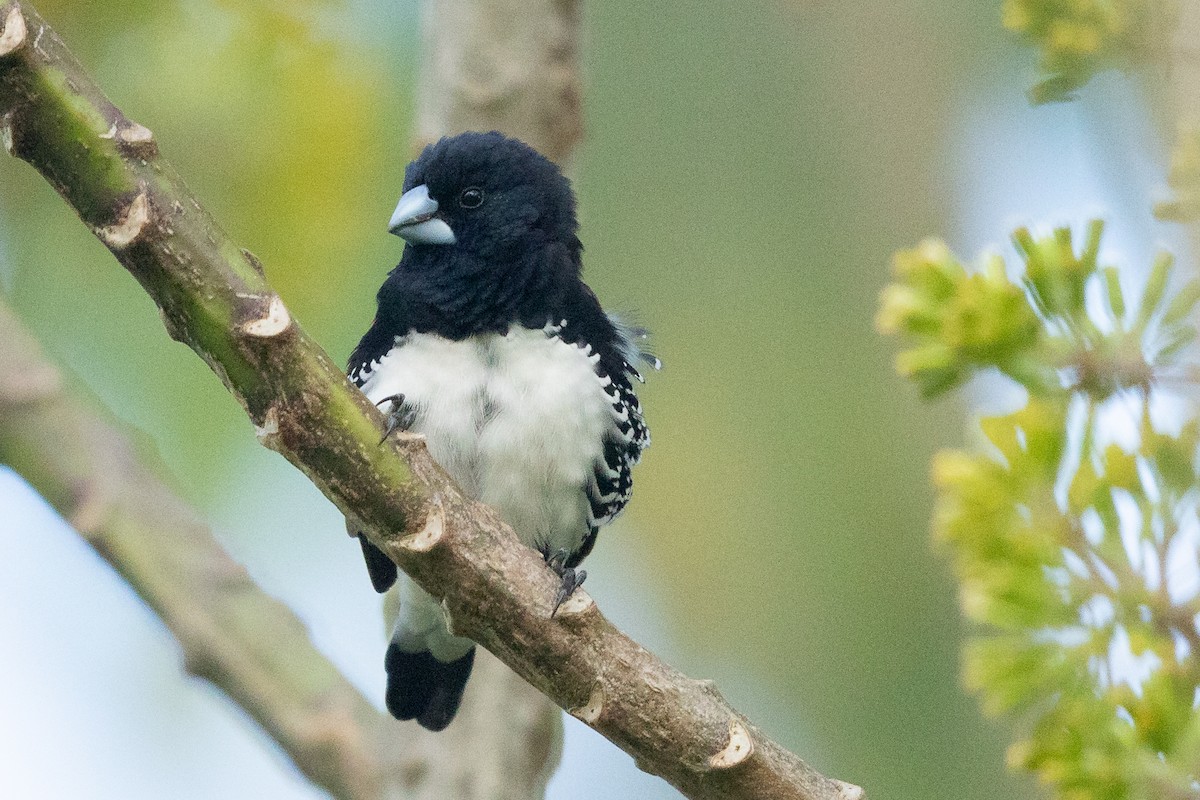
505	65
510	66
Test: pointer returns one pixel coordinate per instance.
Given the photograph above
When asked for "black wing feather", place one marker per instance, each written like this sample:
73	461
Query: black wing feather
585	325
374	345
381	568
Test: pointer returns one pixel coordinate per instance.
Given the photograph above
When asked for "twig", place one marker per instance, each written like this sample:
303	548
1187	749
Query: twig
494	590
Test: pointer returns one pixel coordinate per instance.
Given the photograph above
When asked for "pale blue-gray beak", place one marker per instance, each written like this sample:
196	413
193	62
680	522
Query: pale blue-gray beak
414	219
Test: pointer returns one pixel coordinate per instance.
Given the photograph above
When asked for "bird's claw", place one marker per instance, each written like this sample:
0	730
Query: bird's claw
399	418
571	578
557	560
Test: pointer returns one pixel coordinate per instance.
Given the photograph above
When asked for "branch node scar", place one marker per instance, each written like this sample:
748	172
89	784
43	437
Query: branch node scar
590	712
130	226
428	537
848	791
135	132
13	35
580	602
274	323
268	432
737	749
137	139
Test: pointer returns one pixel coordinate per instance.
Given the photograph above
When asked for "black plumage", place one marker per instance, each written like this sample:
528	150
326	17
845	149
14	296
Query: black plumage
521	383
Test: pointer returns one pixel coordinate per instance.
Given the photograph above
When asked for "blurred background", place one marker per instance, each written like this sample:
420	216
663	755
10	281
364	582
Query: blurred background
747	171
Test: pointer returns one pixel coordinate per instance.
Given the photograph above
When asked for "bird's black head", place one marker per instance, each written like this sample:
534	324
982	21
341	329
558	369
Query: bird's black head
486	196
491	232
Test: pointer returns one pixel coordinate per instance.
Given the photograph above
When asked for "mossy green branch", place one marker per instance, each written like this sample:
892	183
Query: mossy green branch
210	292
214	298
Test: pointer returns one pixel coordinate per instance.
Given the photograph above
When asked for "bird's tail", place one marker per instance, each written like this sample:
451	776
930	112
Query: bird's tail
427	666
421	687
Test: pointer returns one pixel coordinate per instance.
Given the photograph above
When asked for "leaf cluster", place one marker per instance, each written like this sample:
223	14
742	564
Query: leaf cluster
1079	558
1183	178
1063	325
1078	38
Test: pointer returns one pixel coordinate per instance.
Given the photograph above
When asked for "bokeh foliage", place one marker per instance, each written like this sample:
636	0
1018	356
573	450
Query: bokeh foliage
1183	178
1078	38
299	188
1077	554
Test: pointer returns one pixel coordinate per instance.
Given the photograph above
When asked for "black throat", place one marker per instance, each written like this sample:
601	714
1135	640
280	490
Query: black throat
441	290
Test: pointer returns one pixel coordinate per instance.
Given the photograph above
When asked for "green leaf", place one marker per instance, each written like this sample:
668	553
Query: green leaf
1085	485
1112	287
1183	303
1002	433
1120	469
1156	286
1173	458
1058	596
1091	245
1012	672
1175	341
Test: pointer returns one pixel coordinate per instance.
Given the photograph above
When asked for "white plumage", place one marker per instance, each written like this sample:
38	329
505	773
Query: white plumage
519	421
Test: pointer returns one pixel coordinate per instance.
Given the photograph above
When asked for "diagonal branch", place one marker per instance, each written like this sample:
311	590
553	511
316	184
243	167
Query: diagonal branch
233	635
244	642
213	297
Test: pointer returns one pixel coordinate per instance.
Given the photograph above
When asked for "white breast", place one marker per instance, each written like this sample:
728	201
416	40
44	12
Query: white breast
517	420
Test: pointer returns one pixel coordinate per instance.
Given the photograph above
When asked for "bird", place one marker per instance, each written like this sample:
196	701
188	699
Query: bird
487	342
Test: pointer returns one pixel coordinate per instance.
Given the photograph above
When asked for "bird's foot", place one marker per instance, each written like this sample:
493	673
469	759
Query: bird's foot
400	418
571	578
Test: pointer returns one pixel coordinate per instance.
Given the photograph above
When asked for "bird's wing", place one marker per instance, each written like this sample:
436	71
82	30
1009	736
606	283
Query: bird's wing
618	348
374	345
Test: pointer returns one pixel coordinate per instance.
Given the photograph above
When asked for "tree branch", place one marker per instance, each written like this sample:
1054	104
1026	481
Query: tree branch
214	298
245	643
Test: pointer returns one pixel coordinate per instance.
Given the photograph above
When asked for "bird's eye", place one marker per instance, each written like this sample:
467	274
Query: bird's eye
471	197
